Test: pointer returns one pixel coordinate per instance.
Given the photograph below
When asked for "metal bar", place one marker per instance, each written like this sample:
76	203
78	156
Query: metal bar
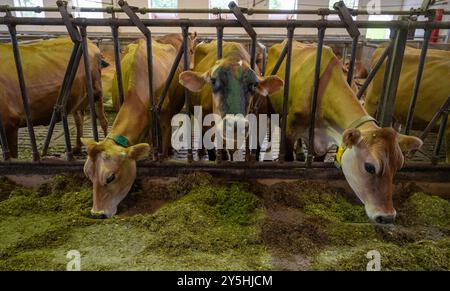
433	121
116	44
89	85
227	23
312	120
287	79
253	53
422	58
351	66
385	79
374	71
249	11
169	79
440	136
393	77
219	42
73	61
280	59
4	140
187	96
23	92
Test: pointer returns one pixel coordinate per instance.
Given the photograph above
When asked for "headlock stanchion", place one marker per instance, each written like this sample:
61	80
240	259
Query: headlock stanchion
61	103
3	140
393	76
287	79
89	86
116	44
153	133
187	96
352	29
423	55
374	70
312	120
248	28
23	90
392	55
219	42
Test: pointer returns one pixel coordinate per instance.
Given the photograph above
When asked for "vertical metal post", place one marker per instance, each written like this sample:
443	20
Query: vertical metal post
89	85
287	79
23	91
116	44
374	70
187	96
3	140
385	79
253	53
440	136
393	76
351	66
422	58
312	120
219	42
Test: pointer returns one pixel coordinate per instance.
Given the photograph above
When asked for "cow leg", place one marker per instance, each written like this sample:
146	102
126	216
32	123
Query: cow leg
12	136
212	155
101	116
78	116
166	139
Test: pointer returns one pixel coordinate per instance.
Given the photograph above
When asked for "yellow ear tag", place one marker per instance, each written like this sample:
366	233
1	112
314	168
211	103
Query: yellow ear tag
339	154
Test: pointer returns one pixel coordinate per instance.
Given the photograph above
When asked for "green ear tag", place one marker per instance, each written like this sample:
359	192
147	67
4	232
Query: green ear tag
121	140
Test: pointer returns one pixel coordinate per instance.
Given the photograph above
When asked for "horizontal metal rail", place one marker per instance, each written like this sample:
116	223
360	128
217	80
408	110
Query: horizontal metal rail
228	23
233	171
248	11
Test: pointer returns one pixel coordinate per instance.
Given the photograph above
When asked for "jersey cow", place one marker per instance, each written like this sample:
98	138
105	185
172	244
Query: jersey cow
228	87
44	63
111	163
434	88
369	155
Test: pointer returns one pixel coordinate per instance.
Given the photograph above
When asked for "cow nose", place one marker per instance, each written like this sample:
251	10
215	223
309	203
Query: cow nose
98	215
385	219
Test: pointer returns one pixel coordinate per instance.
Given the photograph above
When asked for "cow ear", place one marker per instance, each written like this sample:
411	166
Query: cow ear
92	147
193	81
139	151
269	85
351	137
409	143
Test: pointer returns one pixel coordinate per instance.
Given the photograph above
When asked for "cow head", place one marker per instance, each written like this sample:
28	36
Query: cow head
235	87
112	170
369	164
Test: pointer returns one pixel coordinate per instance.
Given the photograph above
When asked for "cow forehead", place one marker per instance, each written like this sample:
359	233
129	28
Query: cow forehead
236	70
383	144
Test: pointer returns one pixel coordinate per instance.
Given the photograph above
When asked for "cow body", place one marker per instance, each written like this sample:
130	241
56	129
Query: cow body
370	156
111	164
434	88
44	65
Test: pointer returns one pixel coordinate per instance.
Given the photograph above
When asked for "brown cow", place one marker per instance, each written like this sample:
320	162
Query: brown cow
369	155
44	64
111	164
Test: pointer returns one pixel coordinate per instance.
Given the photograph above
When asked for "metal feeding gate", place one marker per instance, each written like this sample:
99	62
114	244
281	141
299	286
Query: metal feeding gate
77	30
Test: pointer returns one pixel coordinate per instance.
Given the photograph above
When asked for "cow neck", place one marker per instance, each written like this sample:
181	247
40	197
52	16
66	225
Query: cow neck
131	121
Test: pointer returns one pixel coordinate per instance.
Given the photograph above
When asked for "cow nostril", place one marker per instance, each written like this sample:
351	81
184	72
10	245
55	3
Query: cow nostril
384	219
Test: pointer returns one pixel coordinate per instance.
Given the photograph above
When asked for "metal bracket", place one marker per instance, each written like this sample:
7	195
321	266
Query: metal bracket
130	12
237	11
346	17
71	28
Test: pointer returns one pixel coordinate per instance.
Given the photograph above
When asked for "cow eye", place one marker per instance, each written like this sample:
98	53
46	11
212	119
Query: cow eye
252	87
370	168
215	84
110	178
